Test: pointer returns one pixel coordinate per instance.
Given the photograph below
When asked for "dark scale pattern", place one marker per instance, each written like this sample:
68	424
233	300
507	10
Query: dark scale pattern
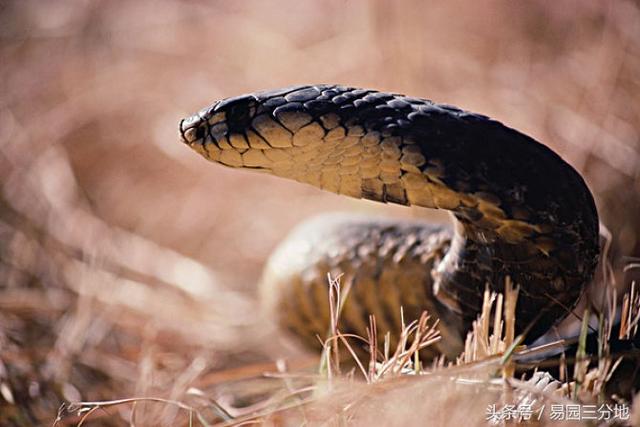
523	212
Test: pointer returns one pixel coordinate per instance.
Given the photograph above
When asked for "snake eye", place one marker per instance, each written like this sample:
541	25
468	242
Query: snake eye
238	111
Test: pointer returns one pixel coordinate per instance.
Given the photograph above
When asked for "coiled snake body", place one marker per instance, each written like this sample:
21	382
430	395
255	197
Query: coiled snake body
519	210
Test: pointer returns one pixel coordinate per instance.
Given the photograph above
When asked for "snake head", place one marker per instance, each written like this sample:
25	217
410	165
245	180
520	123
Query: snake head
219	132
278	132
240	132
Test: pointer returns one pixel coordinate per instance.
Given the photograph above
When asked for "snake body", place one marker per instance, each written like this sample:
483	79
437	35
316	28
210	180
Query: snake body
519	210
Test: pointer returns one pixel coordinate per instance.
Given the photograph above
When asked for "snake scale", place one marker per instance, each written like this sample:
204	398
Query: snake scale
519	210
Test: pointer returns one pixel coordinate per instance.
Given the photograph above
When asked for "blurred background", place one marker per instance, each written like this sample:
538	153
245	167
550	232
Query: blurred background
128	264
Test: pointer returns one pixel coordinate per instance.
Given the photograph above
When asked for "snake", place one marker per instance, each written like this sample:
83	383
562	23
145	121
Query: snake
520	213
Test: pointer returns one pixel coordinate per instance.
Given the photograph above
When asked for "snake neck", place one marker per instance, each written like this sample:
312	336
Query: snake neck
520	210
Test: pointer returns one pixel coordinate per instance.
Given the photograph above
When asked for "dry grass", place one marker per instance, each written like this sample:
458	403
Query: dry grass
396	380
128	266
